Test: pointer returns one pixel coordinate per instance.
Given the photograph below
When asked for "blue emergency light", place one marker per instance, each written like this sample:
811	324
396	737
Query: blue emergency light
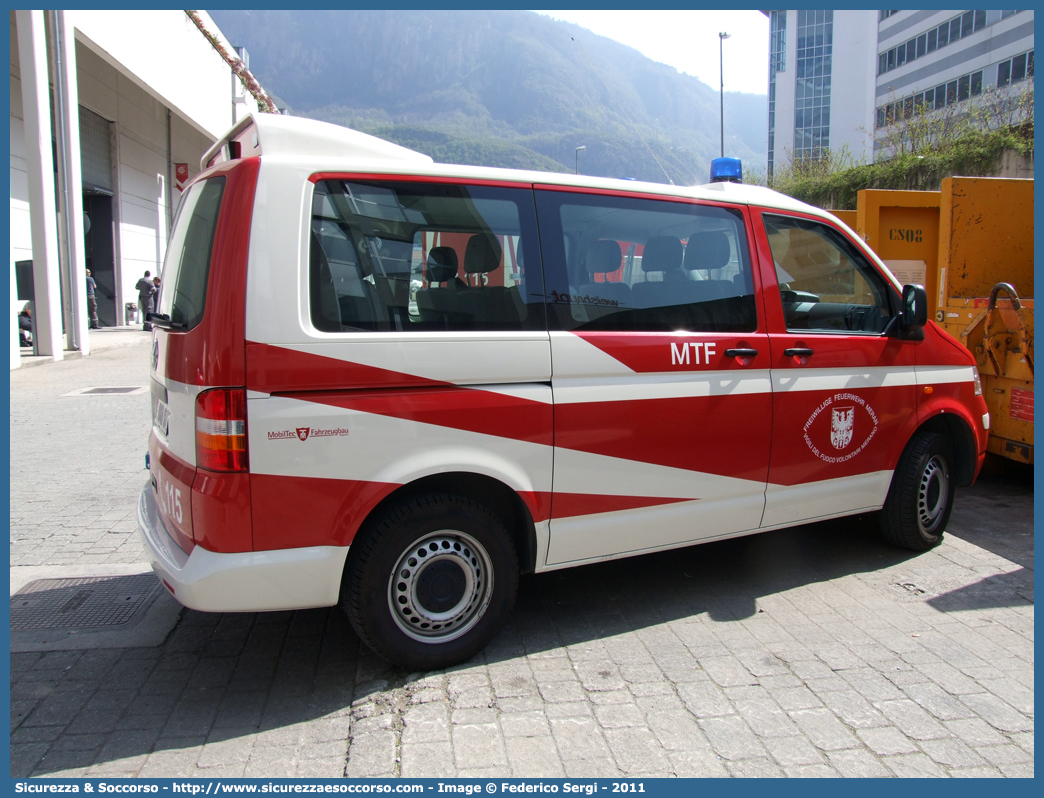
726	170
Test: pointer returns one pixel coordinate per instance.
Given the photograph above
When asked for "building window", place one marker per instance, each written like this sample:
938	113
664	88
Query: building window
777	63
815	38
778	42
945	94
967	22
1018	68
948	32
944	34
883	15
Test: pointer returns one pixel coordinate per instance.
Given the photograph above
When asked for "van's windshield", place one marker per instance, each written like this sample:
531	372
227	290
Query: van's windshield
186	268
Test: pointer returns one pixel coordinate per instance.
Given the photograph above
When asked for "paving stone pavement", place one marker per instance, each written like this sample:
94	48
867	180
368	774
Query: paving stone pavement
816	651
78	462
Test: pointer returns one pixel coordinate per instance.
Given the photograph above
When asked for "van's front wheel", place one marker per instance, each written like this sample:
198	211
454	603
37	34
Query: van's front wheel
920	499
432	582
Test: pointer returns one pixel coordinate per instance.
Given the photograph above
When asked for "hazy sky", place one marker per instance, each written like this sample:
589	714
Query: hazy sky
688	41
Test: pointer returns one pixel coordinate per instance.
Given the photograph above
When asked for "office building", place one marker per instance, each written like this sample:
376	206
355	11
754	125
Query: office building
836	77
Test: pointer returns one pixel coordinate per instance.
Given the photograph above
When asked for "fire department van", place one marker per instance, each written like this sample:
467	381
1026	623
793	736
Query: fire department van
396	385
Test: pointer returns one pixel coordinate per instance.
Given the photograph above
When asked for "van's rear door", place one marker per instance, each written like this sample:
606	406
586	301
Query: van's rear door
200	347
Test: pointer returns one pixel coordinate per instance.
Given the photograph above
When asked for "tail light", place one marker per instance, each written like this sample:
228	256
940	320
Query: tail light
221	443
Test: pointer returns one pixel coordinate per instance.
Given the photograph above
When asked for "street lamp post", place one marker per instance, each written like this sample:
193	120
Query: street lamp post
576	159
721	69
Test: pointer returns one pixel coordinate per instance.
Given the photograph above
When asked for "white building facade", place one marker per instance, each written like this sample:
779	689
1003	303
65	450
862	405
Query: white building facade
835	77
104	107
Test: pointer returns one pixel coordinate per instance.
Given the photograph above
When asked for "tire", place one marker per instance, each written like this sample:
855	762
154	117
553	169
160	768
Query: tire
920	499
431	582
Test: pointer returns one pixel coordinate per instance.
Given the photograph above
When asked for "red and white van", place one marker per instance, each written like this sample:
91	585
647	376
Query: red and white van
394	384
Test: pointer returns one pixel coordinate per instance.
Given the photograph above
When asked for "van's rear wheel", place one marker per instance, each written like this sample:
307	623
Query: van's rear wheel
920	499
432	582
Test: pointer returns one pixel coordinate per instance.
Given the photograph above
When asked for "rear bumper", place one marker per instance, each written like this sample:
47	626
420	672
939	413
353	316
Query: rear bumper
254	581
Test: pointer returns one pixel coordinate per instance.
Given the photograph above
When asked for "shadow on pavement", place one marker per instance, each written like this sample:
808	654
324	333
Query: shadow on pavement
1014	589
224	677
216	678
723	579
996	513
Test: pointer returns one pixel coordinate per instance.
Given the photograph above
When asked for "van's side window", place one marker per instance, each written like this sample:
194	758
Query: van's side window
620	263
186	268
825	283
423	256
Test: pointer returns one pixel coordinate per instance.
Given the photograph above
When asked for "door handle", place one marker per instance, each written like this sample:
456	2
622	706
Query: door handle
798	352
741	353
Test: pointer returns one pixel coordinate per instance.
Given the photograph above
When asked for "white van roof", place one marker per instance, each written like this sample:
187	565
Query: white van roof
275	134
332	148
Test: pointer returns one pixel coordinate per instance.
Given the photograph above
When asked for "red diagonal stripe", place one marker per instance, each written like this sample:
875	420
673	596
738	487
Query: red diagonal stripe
275	369
568	505
465	409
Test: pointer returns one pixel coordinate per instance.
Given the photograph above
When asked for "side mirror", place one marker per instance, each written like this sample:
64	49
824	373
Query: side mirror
915	307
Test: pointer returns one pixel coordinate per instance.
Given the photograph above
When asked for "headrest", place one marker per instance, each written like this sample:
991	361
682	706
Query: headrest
662	254
707	251
604	256
441	265
482	254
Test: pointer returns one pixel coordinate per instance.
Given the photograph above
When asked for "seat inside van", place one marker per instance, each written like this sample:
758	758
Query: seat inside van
453	303
603	258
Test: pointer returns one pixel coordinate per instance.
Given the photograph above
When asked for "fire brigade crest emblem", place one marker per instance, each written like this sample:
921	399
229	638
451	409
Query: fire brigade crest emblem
302	433
841	423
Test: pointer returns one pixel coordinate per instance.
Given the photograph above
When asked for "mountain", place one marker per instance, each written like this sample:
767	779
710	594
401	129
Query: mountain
498	88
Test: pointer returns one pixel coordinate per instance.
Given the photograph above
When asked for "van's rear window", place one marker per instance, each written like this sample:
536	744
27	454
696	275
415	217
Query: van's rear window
391	256
183	293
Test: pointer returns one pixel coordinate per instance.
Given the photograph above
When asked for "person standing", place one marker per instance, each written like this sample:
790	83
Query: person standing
25	326
92	303
146	295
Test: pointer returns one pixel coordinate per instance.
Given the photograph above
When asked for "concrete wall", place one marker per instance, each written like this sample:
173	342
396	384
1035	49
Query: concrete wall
132	67
21	237
852	83
21	242
165	53
140	161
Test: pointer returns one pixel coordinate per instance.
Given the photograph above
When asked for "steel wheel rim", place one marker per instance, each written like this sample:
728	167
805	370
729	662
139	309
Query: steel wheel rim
932	494
442	568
